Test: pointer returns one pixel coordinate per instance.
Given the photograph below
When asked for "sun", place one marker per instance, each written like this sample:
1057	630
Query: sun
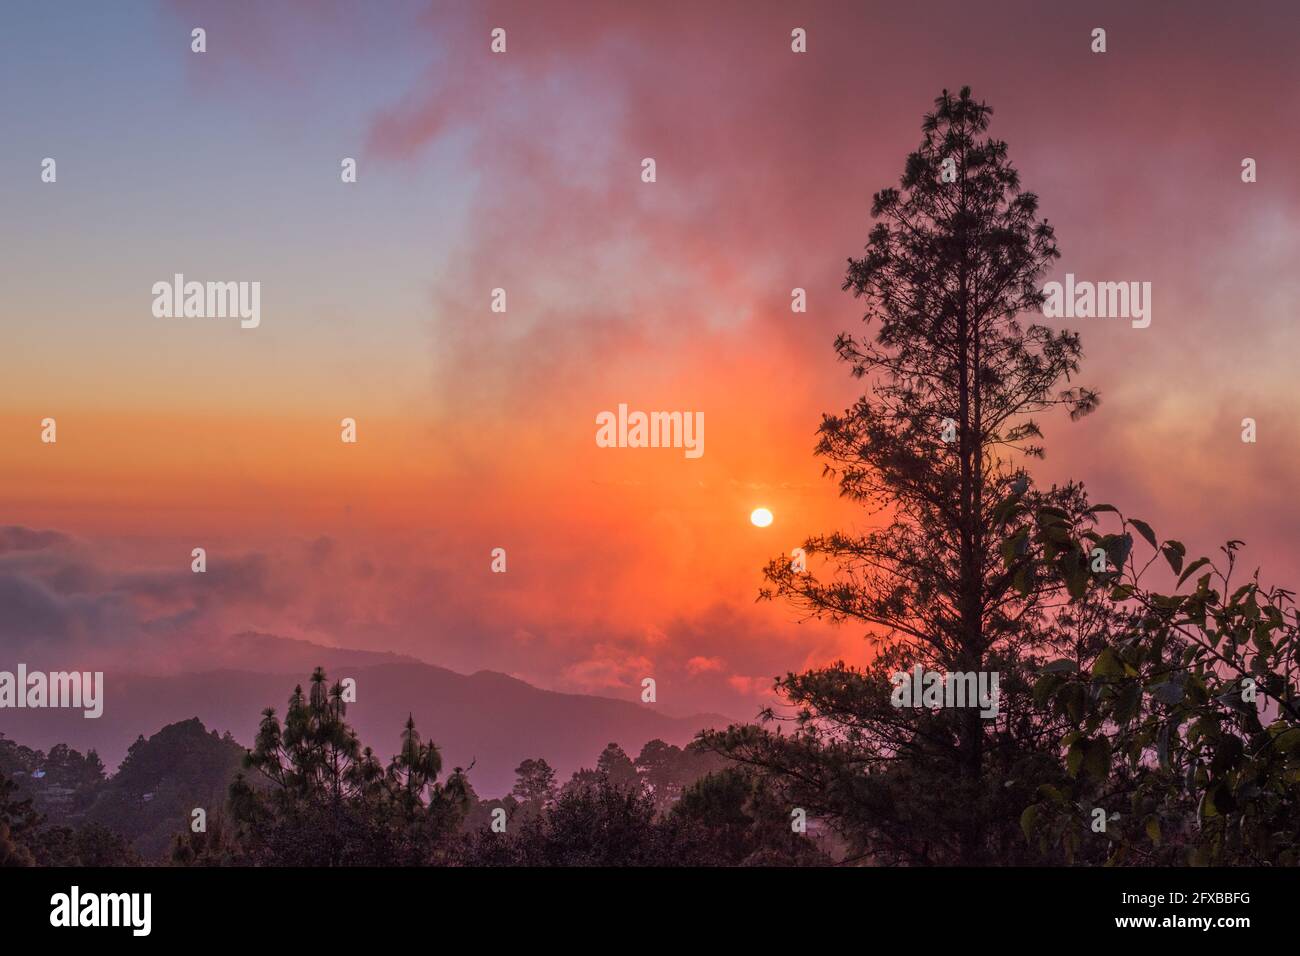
760	517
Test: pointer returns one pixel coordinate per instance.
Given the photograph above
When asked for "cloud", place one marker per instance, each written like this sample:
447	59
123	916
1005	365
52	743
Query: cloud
30	613
751	686
16	538
607	670
702	665
676	295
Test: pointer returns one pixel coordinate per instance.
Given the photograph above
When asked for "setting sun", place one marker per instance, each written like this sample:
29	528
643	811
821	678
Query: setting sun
760	517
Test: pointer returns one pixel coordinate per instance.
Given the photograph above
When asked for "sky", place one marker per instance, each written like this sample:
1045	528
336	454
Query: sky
522	171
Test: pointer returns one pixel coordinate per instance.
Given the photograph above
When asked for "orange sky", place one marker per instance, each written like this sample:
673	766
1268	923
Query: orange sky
476	429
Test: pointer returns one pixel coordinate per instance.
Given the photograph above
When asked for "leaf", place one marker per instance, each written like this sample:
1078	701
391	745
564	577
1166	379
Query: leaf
1206	808
1004	509
1118	548
1057	533
1049	792
1023	580
1011	547
1074	568
1074	758
1029	821
1288	740
1144	529
1168	693
1108	664
1098	508
1153	829
1044	688
1072	699
1191	569
1127	703
1241	592
1174	553
1096	760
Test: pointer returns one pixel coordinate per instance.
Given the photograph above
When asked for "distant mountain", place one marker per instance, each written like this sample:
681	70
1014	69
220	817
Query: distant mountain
489	718
273	654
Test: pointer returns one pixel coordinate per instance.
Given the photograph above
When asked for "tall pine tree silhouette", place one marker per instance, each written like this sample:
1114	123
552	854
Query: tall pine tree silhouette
934	452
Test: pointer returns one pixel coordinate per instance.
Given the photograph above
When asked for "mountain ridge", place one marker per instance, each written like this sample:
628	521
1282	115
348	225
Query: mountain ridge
488	718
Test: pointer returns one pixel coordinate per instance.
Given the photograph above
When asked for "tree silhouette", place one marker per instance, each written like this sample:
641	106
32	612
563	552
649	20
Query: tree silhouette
534	783
416	766
954	379
318	797
1184	744
614	764
734	818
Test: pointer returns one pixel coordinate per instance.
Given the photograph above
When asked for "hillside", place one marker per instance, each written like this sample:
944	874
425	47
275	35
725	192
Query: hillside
162	780
492	719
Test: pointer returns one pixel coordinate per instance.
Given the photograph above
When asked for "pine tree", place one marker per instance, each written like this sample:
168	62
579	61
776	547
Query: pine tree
933	452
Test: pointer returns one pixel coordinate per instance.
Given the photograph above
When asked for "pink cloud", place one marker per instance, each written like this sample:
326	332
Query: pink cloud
702	665
751	686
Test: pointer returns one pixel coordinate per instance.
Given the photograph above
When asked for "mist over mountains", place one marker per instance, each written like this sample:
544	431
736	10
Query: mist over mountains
490	719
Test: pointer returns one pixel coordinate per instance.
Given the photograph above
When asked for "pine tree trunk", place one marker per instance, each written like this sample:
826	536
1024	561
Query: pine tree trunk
971	563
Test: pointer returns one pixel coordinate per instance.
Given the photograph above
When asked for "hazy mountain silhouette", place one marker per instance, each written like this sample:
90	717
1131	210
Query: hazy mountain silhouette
487	717
152	795
268	653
